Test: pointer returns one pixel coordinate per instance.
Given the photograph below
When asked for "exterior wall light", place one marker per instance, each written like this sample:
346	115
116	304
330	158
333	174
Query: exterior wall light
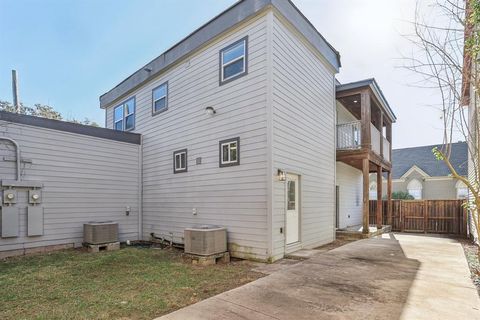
282	176
210	111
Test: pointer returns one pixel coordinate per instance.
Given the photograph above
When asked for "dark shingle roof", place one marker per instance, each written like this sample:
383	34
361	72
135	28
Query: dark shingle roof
422	157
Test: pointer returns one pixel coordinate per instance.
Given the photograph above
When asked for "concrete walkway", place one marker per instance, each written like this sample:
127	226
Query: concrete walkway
393	277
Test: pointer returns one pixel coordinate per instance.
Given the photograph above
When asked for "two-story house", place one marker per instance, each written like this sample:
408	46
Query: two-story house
239	123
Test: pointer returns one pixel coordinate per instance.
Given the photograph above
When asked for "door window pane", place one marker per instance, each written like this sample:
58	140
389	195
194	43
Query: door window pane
291	205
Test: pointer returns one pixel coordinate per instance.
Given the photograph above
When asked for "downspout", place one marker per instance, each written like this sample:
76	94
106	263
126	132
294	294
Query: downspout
17	149
140	189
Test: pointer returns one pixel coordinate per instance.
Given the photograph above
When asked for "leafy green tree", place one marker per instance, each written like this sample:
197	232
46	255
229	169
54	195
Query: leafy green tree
42	111
401	195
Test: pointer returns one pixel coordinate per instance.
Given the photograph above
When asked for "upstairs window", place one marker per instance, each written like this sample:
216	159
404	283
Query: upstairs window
124	116
160	98
180	161
230	152
233	61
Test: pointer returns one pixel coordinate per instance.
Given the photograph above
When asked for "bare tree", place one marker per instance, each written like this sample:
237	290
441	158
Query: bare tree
447	39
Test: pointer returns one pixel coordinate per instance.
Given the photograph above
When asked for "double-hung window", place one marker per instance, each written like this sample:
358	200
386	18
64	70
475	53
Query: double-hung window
233	61
124	116
180	161
160	98
230	152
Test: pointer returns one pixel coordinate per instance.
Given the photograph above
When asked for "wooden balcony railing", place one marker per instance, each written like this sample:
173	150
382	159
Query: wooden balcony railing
349	135
349	138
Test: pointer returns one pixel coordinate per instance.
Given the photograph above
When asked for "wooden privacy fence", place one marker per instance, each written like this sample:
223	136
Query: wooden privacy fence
427	216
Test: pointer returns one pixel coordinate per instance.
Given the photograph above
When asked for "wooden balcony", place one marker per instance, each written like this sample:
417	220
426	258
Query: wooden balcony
364	137
349	141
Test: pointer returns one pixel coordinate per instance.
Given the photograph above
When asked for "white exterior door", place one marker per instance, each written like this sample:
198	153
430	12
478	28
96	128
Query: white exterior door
293	216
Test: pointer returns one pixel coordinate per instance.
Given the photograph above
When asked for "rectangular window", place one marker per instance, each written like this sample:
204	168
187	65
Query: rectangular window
230	152
124	116
233	61
160	98
180	161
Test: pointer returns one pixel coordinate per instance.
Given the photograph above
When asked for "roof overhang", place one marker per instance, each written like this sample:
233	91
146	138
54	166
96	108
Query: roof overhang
375	88
231	17
70	127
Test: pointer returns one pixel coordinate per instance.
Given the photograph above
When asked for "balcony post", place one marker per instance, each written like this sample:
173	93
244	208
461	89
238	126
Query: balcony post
379	198
381	134
388	132
389	199
366	119
366	195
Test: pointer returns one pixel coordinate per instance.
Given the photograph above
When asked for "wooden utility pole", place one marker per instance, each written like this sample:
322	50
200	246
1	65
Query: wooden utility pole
16	101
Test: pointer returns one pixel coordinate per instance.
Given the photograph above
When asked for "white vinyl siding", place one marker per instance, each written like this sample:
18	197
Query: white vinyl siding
303	137
85	179
233	197
350	182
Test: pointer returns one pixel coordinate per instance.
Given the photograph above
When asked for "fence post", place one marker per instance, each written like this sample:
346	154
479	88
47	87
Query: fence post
425	215
400	218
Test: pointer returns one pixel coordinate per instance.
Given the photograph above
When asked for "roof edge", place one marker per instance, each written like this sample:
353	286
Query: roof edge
70	127
372	83
227	19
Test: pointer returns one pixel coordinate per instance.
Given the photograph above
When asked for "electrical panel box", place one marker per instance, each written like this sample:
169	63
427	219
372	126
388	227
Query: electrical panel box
34	196
9	222
9	196
35	221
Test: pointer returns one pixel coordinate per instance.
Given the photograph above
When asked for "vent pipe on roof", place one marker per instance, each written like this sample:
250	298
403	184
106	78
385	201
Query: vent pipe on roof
16	102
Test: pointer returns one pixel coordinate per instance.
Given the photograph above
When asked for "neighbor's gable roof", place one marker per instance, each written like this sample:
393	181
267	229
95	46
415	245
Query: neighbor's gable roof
422	157
229	18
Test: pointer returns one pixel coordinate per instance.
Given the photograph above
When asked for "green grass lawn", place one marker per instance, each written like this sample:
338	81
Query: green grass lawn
130	283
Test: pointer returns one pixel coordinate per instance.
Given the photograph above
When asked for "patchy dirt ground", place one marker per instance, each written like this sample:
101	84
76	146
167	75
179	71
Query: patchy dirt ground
471	253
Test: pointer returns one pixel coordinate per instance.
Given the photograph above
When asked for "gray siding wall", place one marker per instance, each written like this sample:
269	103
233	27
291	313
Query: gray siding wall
235	197
432	189
303	137
85	179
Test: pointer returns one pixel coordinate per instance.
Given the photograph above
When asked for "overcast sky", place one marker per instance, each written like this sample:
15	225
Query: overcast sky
69	52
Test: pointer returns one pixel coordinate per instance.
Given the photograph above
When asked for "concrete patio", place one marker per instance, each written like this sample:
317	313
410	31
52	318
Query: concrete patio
395	276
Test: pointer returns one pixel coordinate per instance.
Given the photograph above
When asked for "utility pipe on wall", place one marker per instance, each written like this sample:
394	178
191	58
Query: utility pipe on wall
17	149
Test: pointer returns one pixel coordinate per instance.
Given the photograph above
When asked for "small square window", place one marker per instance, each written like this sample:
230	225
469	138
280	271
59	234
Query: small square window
160	98
180	161
233	61
230	152
124	116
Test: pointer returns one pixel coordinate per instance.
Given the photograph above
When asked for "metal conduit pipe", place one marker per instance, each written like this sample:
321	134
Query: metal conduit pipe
17	149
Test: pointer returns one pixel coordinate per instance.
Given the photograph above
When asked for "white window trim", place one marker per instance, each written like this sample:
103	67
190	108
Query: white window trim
154	112
122	119
178	154
243	56
229	143
125	115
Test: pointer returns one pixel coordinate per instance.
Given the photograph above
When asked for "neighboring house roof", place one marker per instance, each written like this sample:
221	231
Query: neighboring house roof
423	158
71	127
372	83
229	18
